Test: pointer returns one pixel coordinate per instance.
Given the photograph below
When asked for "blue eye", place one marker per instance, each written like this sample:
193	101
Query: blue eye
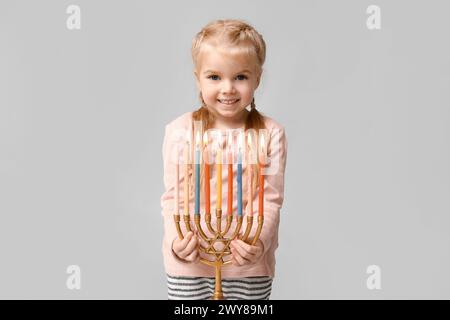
240	77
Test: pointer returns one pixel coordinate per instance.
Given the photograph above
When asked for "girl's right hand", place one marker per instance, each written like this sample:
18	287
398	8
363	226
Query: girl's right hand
187	249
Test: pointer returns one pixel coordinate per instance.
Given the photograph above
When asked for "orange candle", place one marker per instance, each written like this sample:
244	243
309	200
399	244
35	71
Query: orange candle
262	161
219	173
207	175
230	176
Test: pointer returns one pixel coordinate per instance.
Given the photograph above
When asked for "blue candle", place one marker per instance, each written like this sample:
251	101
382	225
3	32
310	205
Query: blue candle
239	181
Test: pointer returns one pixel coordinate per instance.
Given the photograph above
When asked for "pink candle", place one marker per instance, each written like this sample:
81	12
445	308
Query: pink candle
262	162
186	178
249	176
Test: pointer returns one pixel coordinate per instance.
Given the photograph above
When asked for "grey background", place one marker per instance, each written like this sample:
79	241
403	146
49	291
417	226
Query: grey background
82	116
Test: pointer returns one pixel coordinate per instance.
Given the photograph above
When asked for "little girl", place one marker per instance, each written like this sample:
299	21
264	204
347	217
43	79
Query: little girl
228	56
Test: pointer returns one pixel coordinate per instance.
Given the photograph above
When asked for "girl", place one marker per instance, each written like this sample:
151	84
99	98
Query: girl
228	56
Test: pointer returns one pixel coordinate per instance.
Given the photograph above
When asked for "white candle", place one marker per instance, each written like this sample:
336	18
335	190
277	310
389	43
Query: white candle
186	178
177	181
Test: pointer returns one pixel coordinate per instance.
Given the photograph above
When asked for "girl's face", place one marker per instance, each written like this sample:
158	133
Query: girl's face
227	83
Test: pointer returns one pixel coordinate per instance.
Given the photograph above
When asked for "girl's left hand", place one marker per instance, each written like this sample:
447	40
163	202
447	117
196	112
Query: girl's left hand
243	253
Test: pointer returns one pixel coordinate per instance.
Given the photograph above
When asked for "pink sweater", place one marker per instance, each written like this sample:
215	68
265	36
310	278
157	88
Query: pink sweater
273	200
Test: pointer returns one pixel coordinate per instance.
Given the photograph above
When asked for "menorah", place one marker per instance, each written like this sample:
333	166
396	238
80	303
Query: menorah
215	235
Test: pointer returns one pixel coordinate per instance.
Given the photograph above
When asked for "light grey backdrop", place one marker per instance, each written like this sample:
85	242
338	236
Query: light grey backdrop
82	116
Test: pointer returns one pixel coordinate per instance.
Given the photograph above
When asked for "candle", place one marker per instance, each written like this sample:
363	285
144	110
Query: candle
261	176
249	176
207	177
177	179
197	173
230	175
219	172
186	178
239	176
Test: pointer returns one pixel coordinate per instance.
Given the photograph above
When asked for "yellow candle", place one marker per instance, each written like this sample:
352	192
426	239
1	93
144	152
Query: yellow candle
230	176
207	179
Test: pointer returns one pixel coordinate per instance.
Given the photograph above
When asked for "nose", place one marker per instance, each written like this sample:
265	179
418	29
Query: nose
228	87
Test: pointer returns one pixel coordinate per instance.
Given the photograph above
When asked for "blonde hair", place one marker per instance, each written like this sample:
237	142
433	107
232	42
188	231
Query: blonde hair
234	36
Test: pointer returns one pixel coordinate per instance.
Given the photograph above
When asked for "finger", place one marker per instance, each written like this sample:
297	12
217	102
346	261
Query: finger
186	239
245	250
248	247
181	245
240	260
202	242
192	245
192	257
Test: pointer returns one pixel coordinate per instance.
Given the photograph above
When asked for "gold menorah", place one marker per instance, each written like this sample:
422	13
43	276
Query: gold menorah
217	236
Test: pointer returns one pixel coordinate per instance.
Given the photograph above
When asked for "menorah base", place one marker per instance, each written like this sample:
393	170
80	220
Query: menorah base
218	236
218	293
218	296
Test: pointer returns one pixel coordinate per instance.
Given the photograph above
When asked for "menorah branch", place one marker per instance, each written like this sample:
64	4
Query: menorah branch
248	228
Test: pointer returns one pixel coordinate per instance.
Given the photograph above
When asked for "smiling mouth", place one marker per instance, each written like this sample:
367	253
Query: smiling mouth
228	101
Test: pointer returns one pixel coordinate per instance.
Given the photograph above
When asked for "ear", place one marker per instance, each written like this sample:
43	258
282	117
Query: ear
257	81
197	80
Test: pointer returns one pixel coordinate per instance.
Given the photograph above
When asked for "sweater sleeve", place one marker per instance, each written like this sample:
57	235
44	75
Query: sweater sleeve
274	187
169	154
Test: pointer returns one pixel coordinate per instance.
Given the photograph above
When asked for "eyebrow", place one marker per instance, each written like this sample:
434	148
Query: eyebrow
212	71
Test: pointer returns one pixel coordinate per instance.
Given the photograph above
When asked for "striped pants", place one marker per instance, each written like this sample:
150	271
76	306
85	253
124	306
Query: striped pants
202	288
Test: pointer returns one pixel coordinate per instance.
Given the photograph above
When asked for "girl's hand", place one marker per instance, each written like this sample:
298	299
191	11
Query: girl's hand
187	249
243	253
